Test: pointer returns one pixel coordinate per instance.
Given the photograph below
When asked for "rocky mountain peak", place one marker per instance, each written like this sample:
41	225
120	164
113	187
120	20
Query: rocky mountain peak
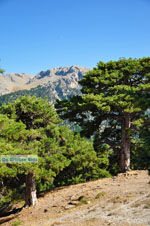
50	75
61	71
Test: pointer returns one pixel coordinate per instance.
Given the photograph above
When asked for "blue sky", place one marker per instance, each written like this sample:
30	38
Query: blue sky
41	34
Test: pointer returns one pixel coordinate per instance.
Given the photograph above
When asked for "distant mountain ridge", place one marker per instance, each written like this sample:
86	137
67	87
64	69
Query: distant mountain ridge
56	83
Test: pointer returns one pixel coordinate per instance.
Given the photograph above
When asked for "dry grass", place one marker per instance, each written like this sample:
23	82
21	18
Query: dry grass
139	203
125	198
119	199
147	204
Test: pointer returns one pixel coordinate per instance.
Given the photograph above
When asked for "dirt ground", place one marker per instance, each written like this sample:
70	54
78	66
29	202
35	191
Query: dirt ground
122	201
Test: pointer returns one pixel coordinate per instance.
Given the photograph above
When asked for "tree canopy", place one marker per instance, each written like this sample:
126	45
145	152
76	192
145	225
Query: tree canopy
114	97
30	126
26	126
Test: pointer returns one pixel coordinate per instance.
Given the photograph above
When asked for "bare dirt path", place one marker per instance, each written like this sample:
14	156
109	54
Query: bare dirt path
121	201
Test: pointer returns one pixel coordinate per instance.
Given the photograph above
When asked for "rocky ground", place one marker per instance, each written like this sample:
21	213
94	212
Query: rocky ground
122	201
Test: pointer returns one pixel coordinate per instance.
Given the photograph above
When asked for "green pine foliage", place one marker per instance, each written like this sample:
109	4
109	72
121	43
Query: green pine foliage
114	97
85	163
33	112
30	125
141	151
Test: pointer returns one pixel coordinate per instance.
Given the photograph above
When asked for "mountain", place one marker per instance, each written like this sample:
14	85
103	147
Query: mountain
13	82
56	83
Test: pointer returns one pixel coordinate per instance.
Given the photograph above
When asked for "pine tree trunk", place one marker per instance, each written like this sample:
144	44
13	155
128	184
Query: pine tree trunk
125	147
30	196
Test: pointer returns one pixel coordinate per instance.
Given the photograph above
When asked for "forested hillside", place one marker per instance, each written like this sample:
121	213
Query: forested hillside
42	91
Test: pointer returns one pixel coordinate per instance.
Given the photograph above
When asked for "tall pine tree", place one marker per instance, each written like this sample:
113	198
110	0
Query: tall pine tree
30	126
26	127
112	104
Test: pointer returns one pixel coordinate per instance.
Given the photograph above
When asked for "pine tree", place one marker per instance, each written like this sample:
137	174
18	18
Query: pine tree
85	163
112	104
25	128
30	126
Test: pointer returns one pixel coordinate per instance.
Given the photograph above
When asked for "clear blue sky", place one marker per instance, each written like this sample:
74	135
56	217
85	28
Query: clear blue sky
41	34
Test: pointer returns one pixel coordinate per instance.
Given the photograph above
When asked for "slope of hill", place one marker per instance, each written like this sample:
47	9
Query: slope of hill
122	201
13	82
57	83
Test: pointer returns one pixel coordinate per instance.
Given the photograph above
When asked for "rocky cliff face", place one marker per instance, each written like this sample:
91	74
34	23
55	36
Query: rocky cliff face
56	83
69	75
